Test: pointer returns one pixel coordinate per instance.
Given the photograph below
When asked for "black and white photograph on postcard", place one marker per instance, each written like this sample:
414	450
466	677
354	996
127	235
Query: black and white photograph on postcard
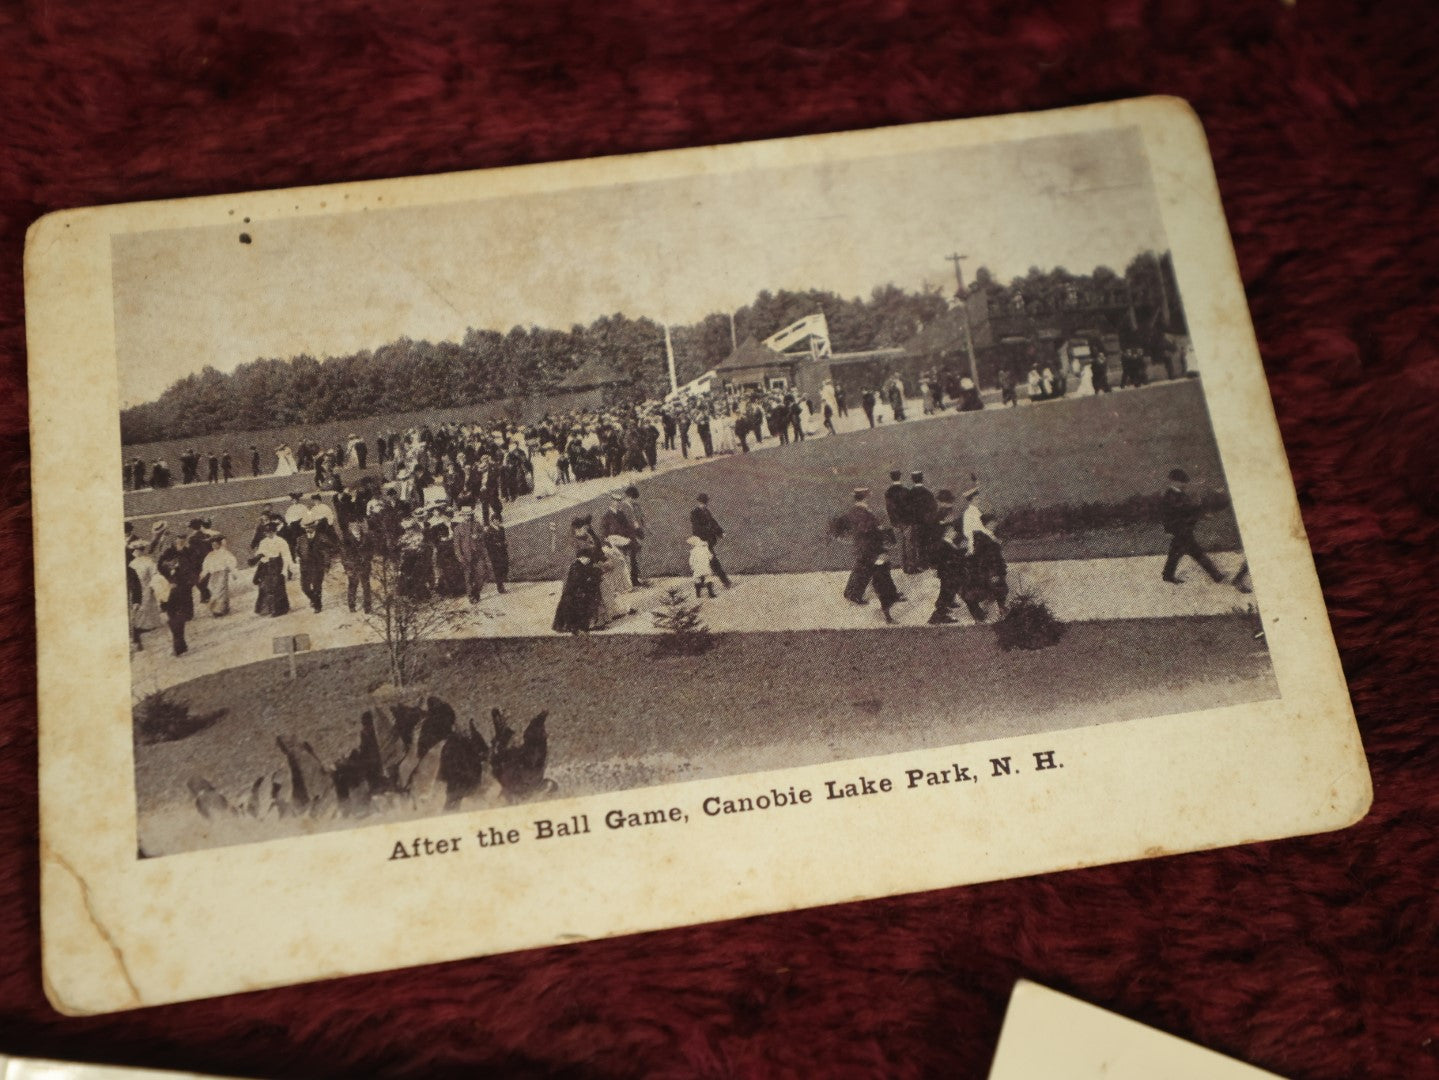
475	503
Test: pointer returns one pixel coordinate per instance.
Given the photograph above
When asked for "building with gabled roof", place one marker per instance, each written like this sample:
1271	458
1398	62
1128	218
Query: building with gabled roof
593	374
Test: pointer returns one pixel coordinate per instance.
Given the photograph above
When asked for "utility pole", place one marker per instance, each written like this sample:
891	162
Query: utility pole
733	344
958	261
670	356
969	344
963	303
1163	290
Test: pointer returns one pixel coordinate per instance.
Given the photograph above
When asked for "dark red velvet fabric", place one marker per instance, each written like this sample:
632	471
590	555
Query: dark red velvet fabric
1314	957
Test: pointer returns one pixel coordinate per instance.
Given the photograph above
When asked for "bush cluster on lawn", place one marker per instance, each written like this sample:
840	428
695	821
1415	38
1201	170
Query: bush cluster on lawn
164	717
1028	624
1029	521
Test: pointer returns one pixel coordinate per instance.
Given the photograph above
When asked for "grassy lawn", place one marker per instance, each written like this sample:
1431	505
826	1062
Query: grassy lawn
620	719
179	500
775	504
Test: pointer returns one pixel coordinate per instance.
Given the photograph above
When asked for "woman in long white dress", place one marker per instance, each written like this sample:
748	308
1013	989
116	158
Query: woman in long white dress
1083	379
722	432
145	614
218	571
614	580
545	464
285	461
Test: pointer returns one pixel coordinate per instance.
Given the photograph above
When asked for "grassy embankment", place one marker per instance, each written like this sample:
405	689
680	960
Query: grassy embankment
621	719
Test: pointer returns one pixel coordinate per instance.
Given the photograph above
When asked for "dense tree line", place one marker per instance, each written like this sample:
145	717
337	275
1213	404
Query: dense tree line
486	365
1148	284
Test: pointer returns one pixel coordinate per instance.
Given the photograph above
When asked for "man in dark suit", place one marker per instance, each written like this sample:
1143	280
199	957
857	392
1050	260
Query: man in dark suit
1179	514
896	507
312	552
949	566
636	514
704	525
923	522
497	546
472	548
863	529
614	521
779	422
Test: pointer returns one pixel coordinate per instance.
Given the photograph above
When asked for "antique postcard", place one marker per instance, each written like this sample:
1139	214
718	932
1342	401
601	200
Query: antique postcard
677	537
1047	1035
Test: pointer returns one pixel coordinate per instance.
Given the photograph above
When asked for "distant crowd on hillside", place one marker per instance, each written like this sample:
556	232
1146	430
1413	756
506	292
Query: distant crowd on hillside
580	444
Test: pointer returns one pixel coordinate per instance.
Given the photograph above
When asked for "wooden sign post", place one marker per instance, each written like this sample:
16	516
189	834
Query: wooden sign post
290	645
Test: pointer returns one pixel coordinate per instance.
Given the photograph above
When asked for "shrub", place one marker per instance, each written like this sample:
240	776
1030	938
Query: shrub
681	631
1028	624
163	717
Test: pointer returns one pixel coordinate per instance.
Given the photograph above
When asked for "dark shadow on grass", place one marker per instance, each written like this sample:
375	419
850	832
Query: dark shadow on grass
161	717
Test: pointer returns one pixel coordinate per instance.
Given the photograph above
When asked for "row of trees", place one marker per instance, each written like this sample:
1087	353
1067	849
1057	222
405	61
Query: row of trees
486	365
1148	283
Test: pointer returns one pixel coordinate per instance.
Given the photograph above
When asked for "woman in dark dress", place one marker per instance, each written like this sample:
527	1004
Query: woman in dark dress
417	565
884	587
498	549
273	563
579	606
580	598
449	574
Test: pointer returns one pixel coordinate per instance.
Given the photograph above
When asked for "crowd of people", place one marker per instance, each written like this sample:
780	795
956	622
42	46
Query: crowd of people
435	501
605	566
927	530
581	444
434	505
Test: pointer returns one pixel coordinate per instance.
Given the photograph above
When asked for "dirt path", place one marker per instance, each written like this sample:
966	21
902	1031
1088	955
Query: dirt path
1084	590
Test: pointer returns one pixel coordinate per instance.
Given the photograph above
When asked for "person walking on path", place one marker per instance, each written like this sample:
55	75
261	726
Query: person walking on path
579	601
702	428
897	509
497	546
704	525
985	572
177	600
145	613
861	525
701	566
1179	514
473	552
885	589
923	524
357	555
274	564
218	572
949	567
637	523
312	552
